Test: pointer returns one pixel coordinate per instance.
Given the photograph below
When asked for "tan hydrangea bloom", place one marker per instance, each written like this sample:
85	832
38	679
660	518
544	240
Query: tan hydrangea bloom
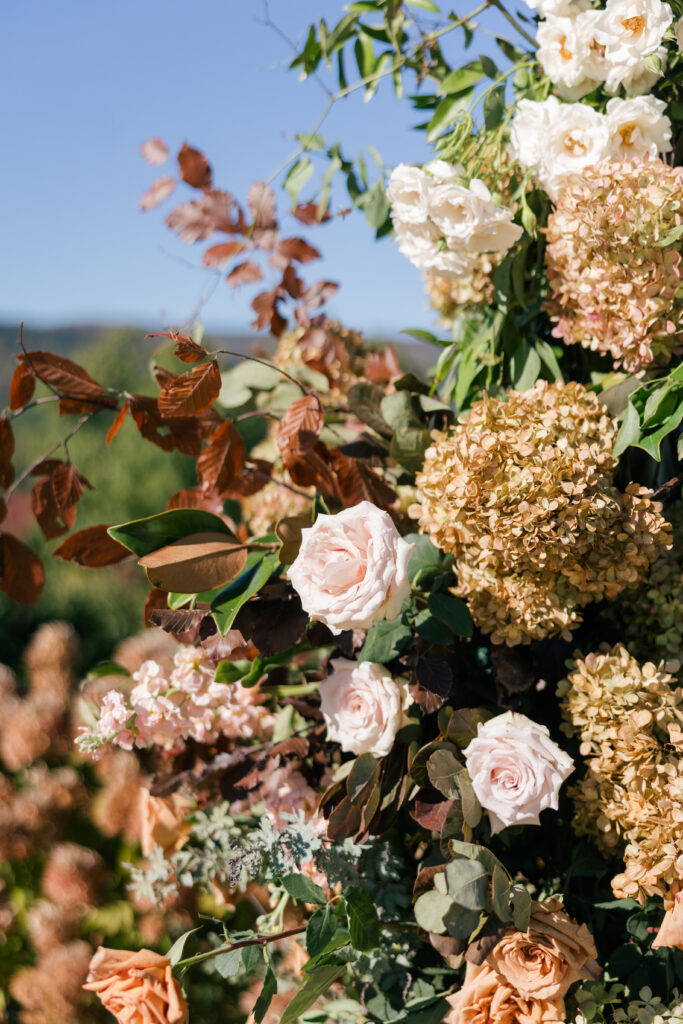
651	616
629	718
521	492
449	296
613	284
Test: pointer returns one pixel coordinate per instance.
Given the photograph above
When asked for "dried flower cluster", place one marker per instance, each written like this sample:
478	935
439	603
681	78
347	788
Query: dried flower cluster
650	616
448	296
164	712
521	492
629	718
614	264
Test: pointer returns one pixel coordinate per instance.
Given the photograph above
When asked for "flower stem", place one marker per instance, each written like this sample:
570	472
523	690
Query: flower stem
258	940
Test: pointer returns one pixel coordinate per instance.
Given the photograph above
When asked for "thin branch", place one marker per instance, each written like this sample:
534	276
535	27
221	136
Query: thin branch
263	362
258	940
60	444
506	14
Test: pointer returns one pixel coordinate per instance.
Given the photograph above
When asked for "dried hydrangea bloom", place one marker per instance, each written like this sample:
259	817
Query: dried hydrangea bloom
521	492
264	510
629	717
650	617
613	283
51	659
449	296
73	875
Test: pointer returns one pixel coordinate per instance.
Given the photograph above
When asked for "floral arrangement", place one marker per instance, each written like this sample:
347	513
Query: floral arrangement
416	753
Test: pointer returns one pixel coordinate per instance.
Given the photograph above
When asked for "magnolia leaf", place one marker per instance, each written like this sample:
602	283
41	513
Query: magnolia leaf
201	561
144	535
228	602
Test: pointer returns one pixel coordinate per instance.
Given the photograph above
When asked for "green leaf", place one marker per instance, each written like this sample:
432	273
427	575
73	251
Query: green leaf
399	410
297	176
430	909
315	985
363	919
232	671
228	603
364	400
651	442
525	366
107	668
303	889
375	204
549	359
446	112
420	335
453	612
494	107
488	66
474	852
462	80
321	928
443	769
425	560
431	629
265	996
229	964
628	431
467	883
384	641
521	907
501	893
175	953
425	5
408	447
363	771
142	536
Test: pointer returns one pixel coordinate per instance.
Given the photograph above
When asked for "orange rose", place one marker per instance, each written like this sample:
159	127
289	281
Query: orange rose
486	998
671	930
162	821
137	988
543	961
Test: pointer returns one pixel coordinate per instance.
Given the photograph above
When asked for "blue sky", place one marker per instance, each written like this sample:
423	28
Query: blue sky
87	81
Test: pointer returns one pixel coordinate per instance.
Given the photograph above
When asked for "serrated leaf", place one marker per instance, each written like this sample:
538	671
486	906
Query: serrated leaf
384	641
302	888
321	928
363	919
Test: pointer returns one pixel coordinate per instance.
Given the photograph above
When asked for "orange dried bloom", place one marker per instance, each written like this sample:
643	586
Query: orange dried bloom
136	988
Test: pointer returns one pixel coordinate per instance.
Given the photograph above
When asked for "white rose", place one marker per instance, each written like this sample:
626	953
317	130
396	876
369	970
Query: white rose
562	8
529	131
352	568
579	138
407	192
363	706
679	34
631	30
468	215
441	170
516	769
568	54
638	127
417	242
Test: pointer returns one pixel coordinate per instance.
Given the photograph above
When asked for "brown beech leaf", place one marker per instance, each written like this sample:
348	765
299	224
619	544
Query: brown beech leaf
250	480
195	497
53	520
310	214
262	205
297	249
6	452
433	684
117	423
162	376
182	433
356	482
289	531
21	571
222	459
186	348
155	151
191	393
68	485
244	273
195	169
344	822
201	561
489	937
272	624
92	548
3	510
292	284
159	190
300	428
22	385
319	293
219	254
179	620
214	211
382	366
70	380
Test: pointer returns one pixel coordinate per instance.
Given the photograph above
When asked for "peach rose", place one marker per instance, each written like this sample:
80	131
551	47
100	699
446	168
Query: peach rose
352	568
486	998
162	821
363	706
671	930
553	953
516	769
137	988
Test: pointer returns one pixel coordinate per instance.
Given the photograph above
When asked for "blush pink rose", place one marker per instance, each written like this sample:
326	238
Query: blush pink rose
352	568
516	769
363	706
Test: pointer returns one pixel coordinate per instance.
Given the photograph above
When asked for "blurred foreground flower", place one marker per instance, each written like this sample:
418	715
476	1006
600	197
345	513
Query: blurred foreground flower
136	988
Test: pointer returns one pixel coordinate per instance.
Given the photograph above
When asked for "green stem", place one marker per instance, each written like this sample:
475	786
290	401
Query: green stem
506	14
258	940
